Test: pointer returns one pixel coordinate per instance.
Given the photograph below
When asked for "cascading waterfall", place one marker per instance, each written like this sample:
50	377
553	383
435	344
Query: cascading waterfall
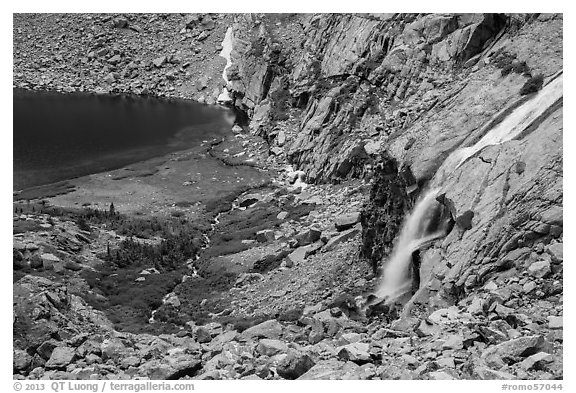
509	128
414	234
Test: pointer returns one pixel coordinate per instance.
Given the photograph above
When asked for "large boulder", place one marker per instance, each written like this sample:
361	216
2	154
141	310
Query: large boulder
341	237
113	348
265	235
21	360
356	352
18	261
120	22
48	260
248	278
484	373
159	61
308	236
347	221
202	335
536	361
556	250
61	357
172	366
539	269
333	369
512	351
294	365
268	329
270	347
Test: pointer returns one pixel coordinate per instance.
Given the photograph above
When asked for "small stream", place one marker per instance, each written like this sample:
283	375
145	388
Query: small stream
191	262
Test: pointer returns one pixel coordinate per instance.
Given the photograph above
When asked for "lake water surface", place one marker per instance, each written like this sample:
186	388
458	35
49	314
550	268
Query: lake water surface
61	136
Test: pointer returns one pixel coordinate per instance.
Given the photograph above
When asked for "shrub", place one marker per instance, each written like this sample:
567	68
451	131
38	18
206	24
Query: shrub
520	67
82	224
177	213
281	100
532	85
503	59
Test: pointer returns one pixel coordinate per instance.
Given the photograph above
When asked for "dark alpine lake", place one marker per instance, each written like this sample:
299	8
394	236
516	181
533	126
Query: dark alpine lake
61	136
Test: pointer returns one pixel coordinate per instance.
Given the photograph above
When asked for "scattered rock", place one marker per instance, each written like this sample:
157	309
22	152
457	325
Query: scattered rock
333	369
268	329
60	358
21	360
308	236
512	350
351	337
297	256
441	375
281	138
341	238
555	322
445	363
294	365
120	22
36	262
48	260
71	265
174	366
277	151
356	352
248	278
127	362
427	328
536	361
485	373
115	59
539	269
203	335
529	287
270	347
454	341
464	220
556	250
159	61
347	221
264	236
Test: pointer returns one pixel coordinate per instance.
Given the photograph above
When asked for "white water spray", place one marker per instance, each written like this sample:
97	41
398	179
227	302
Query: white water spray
224	96
414	235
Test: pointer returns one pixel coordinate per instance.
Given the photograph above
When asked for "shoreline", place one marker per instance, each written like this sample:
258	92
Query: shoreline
59	184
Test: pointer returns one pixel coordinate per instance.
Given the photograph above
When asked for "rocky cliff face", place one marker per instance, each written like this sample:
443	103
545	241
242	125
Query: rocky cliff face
416	89
359	80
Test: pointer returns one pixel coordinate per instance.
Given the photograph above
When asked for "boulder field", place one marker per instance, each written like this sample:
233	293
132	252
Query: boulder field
360	116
